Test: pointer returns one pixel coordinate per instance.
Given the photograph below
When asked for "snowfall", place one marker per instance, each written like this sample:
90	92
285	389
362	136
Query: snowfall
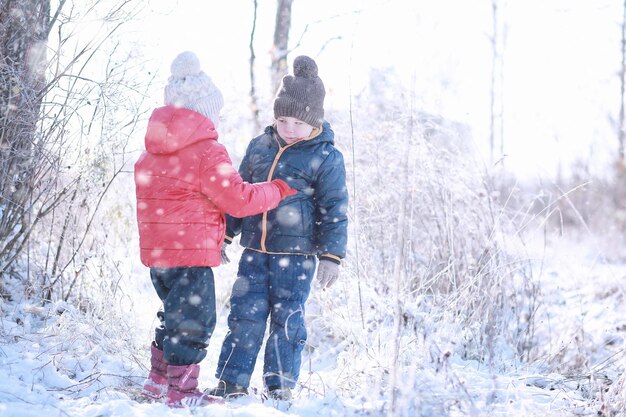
377	345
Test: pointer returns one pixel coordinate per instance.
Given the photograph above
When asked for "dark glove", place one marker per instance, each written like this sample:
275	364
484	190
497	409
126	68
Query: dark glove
225	258
285	190
327	273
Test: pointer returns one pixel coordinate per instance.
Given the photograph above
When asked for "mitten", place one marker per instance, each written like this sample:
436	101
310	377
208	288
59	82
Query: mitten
327	273
285	190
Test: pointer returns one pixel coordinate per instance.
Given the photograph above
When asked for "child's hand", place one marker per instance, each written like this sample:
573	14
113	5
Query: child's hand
285	190
327	273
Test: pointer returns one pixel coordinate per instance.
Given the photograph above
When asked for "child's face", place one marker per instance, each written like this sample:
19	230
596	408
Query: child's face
292	129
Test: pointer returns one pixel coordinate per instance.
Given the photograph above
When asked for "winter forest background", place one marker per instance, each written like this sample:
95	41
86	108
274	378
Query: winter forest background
484	143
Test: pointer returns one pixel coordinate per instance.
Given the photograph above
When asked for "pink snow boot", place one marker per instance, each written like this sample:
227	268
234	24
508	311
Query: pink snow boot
183	388
155	386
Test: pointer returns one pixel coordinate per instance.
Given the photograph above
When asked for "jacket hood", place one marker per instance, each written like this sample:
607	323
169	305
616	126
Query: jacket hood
173	128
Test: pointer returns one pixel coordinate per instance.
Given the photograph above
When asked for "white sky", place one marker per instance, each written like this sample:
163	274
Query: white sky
560	65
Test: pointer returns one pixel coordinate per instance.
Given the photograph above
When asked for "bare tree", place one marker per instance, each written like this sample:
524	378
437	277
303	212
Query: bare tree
496	121
253	97
621	133
279	53
24	28
66	142
280	48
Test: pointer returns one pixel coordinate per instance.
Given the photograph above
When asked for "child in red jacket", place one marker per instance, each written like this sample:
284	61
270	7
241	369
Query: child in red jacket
185	183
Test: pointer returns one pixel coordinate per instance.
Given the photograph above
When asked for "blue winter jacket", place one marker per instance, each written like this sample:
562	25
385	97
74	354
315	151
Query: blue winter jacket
313	221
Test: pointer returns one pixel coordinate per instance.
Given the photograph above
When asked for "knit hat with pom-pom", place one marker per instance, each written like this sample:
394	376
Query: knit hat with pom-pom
191	88
301	95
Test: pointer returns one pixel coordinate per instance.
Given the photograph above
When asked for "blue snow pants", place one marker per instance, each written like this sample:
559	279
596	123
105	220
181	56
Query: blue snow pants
188	316
274	286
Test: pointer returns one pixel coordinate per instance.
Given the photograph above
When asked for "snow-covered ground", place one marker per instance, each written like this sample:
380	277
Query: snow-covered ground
58	361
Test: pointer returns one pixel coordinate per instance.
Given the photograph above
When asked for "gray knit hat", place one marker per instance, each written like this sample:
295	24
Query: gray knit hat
301	95
191	88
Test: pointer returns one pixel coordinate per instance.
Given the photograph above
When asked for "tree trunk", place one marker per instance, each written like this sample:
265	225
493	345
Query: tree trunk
24	26
494	66
498	43
253	97
621	133
281	41
23	36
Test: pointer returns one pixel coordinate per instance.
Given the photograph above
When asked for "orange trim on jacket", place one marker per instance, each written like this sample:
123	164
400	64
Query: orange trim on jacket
281	149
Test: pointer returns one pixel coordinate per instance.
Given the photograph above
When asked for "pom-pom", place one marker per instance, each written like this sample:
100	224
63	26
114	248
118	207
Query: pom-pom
305	67
185	65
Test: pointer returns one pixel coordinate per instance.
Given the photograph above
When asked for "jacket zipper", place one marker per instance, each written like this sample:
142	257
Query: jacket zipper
269	178
281	149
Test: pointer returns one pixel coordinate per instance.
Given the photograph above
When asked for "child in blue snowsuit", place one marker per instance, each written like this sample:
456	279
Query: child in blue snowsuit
283	246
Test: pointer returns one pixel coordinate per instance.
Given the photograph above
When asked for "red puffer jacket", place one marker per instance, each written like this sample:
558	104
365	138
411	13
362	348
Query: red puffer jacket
185	182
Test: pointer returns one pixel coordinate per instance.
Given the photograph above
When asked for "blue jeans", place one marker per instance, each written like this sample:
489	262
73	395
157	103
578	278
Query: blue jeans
274	286
188	316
